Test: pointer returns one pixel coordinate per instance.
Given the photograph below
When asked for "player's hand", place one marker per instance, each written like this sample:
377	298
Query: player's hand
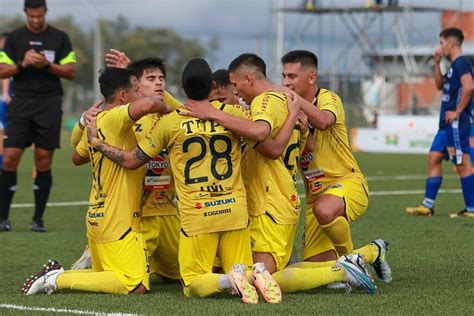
91	131
200	109
117	59
450	116
39	61
303	122
438	53
91	112
7	98
293	103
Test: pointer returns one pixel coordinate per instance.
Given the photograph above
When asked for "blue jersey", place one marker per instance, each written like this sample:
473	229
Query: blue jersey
452	90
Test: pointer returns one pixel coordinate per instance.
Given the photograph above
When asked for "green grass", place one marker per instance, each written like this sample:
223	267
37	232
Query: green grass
431	259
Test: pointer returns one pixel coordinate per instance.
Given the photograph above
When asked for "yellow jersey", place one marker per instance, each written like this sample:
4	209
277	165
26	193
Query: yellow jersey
114	202
271	184
158	186
171	101
205	160
332	158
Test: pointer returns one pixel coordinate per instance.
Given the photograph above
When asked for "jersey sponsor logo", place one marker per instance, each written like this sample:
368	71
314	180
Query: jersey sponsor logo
306	159
156	182
219	212
313	174
35	43
157	164
198	206
137	214
336	186
219	202
96	215
138	127
315	187
293	197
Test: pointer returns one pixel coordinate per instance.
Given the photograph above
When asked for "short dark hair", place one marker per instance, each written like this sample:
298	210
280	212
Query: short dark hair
453	32
304	57
35	4
197	79
113	79
248	59
138	67
221	78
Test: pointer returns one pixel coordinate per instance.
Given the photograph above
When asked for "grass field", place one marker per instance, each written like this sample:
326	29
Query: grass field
431	258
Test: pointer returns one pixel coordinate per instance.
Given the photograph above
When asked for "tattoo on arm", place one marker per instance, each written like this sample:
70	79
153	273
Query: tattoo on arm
115	154
140	157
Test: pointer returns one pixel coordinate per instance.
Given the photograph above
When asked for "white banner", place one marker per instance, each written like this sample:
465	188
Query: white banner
396	134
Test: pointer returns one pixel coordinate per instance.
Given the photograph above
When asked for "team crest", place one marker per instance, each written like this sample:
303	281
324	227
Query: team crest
450	72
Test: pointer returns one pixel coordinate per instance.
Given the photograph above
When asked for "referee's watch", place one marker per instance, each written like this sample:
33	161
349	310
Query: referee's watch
19	66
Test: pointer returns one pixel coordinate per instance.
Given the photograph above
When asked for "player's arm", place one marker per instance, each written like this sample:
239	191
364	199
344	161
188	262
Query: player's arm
273	148
319	119
147	105
8	67
67	71
438	54
78	160
257	131
85	119
466	93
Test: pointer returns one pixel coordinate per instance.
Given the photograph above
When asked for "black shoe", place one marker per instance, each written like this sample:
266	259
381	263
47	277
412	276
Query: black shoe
5	226
38	226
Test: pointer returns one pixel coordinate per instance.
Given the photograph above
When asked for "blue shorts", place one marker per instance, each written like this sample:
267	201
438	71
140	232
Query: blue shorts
439	143
3	114
457	141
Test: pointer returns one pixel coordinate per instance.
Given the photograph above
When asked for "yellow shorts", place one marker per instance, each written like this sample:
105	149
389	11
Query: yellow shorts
197	253
268	236
161	234
126	257
355	194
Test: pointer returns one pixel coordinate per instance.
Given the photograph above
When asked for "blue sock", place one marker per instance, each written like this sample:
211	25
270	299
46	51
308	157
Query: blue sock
431	190
467	185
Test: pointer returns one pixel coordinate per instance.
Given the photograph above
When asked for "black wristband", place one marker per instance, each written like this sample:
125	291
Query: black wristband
48	65
19	66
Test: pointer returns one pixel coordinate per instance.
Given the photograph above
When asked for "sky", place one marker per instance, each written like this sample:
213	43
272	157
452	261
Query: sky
249	25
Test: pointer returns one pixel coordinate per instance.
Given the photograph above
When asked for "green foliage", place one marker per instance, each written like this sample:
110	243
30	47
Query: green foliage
431	258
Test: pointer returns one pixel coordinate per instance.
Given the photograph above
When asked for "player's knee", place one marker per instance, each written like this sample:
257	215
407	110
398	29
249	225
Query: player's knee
43	163
10	162
140	289
325	213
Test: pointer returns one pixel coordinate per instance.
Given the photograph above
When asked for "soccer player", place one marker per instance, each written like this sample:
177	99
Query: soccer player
119	259
336	189
270	179
223	91
160	221
37	56
452	139
205	160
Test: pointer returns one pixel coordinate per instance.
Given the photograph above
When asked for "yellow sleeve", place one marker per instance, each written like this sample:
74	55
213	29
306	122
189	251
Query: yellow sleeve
82	147
330	101
158	138
118	120
76	135
171	101
237	110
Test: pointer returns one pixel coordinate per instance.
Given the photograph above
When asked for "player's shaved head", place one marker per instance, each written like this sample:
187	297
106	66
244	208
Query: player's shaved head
197	79
304	57
453	33
140	66
249	63
112	80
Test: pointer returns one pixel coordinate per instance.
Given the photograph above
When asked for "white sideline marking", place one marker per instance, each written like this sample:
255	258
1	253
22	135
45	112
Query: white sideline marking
372	193
61	310
398	178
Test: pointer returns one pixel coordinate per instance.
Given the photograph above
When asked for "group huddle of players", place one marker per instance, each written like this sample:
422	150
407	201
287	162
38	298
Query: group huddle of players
204	191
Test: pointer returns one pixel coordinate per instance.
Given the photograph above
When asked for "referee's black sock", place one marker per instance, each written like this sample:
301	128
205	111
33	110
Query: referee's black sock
41	188
7	189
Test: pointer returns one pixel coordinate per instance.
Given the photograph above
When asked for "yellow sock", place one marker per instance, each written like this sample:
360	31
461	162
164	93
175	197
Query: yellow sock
339	232
311	265
369	251
90	281
203	285
295	279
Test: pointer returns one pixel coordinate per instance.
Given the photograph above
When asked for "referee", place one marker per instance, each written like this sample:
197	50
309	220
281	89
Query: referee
37	56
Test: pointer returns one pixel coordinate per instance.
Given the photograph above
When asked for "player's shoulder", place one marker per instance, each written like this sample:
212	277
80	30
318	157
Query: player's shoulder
327	95
232	109
19	31
274	95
